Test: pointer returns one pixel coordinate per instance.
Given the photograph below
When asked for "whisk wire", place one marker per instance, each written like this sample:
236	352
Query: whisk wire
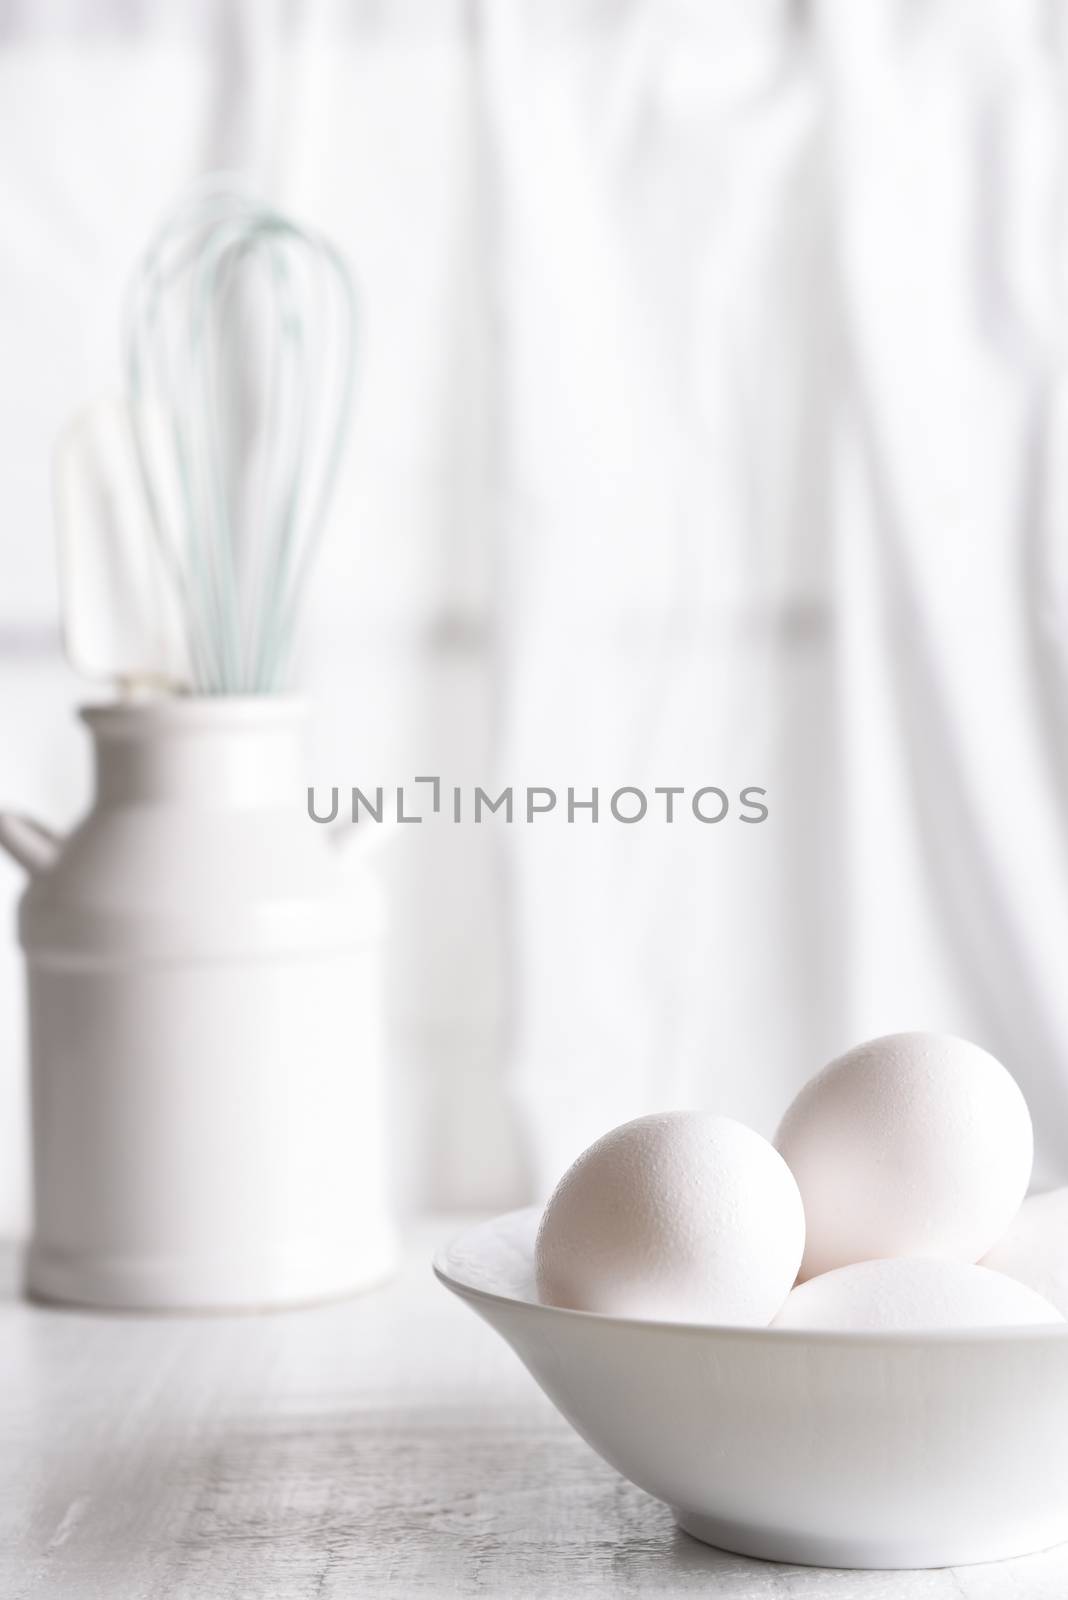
240	361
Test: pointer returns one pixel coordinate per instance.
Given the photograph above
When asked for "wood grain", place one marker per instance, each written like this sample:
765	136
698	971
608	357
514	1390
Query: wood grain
384	1446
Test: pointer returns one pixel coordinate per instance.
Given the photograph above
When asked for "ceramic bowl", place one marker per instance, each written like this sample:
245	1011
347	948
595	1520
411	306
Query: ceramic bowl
832	1449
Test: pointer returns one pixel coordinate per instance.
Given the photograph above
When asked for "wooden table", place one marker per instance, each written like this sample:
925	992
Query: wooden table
384	1446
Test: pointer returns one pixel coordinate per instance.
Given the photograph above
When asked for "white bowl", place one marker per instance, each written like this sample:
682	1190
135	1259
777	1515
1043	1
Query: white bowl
832	1449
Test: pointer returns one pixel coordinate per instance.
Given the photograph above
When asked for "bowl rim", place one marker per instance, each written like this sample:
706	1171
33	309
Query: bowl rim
1008	1334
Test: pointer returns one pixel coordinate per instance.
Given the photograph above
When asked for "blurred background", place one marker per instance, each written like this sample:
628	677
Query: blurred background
712	428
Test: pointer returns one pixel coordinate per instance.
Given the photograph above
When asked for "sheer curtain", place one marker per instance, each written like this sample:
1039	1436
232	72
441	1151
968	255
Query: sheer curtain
711	431
784	308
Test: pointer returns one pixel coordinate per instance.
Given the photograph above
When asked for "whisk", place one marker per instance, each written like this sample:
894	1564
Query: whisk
240	373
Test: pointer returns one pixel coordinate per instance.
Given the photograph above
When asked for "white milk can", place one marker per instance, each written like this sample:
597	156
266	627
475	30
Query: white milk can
204	1023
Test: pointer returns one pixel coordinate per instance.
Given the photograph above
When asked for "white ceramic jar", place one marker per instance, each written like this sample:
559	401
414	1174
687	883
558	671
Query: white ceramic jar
208	1124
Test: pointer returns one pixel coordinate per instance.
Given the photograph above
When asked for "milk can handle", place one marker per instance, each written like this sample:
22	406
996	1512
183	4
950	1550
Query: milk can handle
32	845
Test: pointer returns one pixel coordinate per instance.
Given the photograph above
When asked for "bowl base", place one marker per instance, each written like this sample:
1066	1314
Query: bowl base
812	1550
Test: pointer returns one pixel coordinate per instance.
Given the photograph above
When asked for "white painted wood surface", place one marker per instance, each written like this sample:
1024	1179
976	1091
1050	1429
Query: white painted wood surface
385	1446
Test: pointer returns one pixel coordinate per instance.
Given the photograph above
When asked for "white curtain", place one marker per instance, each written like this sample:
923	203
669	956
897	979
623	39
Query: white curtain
712	431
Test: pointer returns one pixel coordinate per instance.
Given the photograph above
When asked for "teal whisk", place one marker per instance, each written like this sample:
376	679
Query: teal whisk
240	371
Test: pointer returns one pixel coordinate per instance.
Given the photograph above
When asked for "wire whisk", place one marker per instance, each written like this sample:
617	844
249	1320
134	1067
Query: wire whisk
240	364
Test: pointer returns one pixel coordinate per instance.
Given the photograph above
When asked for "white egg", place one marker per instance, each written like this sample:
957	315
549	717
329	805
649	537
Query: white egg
913	1145
1035	1248
917	1294
678	1217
